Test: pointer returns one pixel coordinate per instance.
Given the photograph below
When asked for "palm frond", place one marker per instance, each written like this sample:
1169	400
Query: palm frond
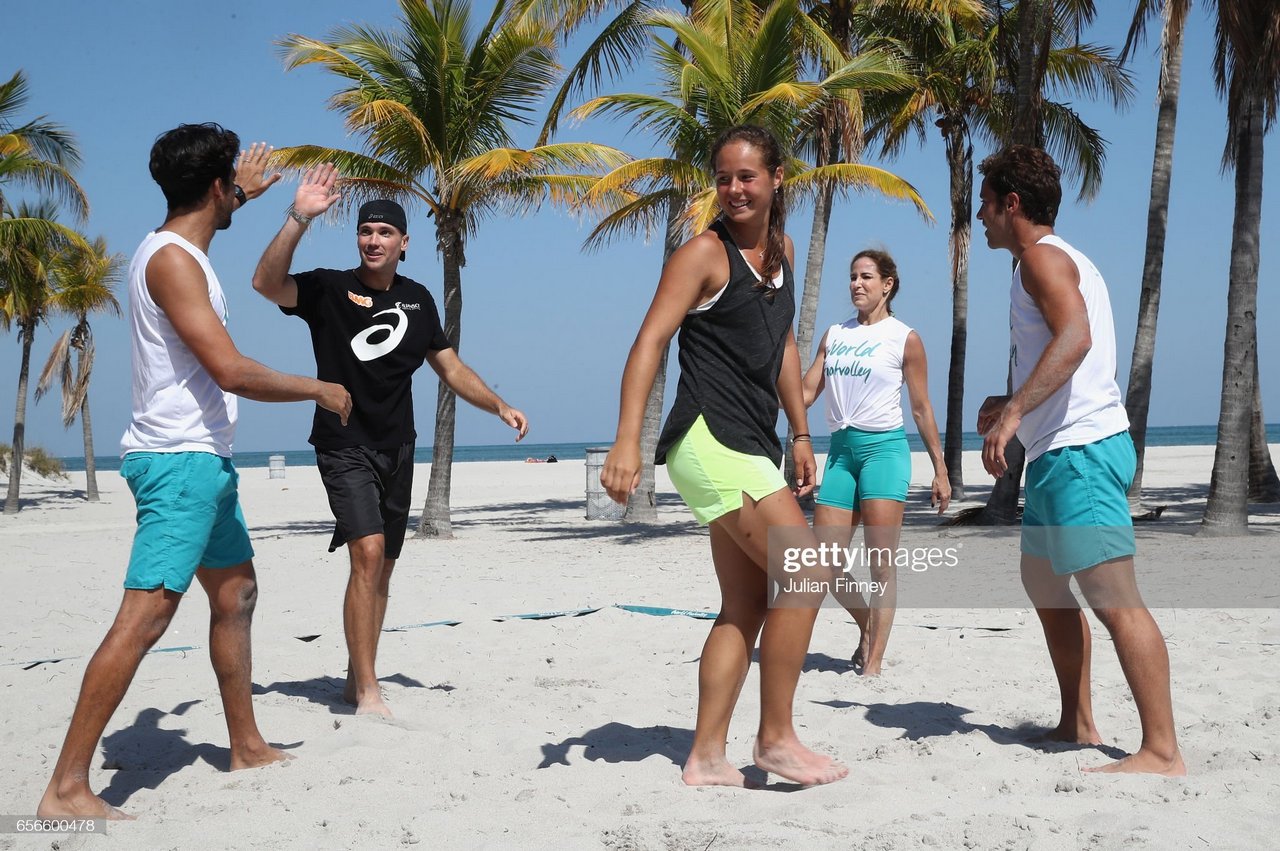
645	216
619	45
59	357
862	178
363	178
1079	148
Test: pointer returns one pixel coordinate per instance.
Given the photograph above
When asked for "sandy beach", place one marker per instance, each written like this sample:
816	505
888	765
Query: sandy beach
568	732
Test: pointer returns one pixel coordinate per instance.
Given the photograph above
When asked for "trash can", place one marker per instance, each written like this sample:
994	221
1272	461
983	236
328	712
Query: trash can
275	467
599	505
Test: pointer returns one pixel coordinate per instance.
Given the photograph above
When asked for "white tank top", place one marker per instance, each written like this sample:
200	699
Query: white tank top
1088	407
177	406
863	372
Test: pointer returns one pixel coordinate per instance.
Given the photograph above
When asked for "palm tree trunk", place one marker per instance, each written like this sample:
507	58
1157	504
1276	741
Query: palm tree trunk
960	161
1035	21
1138	396
1227	511
1264	486
1034	17
642	506
26	332
436	521
806	328
90	466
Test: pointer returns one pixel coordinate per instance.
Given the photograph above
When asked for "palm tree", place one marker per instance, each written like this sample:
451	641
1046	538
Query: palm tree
1039	52
951	50
1264	485
1138	395
1246	69
37	155
730	62
434	104
83	283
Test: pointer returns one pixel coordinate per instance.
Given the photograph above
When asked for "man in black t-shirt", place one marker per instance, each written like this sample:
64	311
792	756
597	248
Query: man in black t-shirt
371	329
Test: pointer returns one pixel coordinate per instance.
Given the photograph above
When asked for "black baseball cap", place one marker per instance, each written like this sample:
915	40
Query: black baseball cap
384	211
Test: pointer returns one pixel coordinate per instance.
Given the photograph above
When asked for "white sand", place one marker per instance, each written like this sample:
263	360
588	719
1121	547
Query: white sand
569	732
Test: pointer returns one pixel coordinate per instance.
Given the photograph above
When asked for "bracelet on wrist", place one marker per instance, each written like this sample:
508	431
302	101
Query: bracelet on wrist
299	218
799	437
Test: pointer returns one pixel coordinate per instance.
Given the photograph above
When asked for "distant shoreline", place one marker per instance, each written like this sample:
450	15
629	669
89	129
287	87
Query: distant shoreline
1201	435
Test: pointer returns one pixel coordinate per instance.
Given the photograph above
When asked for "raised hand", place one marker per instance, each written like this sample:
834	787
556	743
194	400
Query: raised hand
251	170
316	193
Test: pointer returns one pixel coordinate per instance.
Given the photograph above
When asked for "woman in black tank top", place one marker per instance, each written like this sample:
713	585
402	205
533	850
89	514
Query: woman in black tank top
735	372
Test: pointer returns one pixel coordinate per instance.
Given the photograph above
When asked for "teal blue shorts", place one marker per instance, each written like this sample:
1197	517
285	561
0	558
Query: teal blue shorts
1077	509
865	465
188	517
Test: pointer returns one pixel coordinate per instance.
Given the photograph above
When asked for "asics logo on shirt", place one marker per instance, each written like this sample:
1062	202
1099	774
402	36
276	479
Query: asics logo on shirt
367	351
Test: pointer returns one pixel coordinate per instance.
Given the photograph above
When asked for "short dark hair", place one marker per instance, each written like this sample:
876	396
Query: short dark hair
1032	174
190	157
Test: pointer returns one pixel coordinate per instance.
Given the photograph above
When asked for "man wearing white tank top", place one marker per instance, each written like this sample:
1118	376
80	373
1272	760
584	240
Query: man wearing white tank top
1066	410
177	457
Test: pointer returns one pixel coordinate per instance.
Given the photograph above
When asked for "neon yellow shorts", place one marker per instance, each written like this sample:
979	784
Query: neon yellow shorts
711	477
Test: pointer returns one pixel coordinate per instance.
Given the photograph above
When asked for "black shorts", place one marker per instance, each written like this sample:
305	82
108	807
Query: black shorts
369	493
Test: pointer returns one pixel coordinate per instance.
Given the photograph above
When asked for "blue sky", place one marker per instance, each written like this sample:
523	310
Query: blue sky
548	325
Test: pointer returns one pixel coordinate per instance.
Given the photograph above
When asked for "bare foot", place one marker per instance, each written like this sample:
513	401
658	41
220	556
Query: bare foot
373	705
349	692
1143	762
79	802
714	773
1073	734
793	761
257	756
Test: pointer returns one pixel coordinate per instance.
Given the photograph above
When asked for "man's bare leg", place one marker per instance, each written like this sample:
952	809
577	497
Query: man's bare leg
142	619
380	618
1113	591
882	529
1066	631
784	643
726	655
233	593
362	624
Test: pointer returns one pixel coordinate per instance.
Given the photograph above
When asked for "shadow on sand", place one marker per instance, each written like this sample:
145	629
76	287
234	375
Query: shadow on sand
144	754
326	691
919	720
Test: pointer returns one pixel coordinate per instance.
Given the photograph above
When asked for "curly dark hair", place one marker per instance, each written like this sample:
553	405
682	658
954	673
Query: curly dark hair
771	153
1032	174
186	160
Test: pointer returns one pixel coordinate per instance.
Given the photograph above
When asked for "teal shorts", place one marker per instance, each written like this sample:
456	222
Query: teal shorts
865	465
712	478
1077	509
188	517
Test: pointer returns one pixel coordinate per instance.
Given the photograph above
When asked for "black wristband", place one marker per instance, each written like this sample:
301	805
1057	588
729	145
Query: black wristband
240	196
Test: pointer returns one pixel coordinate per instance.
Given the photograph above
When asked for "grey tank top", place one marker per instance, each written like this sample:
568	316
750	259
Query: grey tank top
730	359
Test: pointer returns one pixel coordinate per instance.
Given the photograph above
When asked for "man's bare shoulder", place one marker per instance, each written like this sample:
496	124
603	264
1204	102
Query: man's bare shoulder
174	272
1043	265
170	260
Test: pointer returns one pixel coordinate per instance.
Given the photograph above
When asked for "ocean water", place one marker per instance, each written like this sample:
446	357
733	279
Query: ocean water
1205	435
